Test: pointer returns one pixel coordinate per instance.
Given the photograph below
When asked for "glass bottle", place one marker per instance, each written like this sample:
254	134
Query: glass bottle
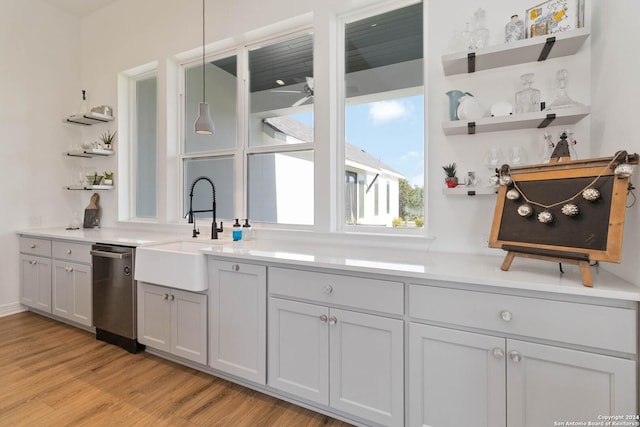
562	98
514	30
546	148
527	99
480	34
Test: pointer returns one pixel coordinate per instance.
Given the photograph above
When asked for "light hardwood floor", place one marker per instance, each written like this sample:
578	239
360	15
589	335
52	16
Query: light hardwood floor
52	374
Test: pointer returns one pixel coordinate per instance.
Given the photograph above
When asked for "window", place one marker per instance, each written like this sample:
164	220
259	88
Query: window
384	112
211	156
280	161
146	148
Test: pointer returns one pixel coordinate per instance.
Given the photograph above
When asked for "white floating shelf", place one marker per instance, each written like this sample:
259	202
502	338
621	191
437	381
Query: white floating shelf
91	152
542	119
518	52
89	187
88	119
463	190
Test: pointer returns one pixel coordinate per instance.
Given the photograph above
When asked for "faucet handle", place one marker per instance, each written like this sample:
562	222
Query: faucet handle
195	233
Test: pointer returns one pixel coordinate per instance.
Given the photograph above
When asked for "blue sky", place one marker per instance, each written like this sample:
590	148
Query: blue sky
392	131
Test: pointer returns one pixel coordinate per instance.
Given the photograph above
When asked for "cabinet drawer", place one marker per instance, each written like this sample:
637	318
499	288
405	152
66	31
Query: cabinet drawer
76	252
576	323
40	247
369	294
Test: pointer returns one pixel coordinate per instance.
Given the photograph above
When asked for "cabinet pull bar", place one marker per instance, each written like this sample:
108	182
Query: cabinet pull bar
547	121
546	49
471	62
106	254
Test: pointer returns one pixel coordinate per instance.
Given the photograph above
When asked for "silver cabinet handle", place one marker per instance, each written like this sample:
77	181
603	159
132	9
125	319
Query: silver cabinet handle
328	289
166	296
498	353
506	315
68	251
235	267
515	356
68	269
333	320
33	262
324	318
33	246
172	297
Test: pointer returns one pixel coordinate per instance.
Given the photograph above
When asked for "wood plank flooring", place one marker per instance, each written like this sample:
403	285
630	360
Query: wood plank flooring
52	374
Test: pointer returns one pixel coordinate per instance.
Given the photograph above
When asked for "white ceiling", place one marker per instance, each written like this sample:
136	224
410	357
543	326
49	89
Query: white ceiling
80	8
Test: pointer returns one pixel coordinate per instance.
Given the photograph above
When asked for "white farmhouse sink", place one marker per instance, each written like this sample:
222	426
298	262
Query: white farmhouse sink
178	265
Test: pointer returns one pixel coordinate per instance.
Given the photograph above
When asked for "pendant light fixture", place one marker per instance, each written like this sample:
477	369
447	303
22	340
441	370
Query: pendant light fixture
204	124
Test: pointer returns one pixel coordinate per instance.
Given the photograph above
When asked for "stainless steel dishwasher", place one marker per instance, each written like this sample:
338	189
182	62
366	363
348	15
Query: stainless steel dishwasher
114	296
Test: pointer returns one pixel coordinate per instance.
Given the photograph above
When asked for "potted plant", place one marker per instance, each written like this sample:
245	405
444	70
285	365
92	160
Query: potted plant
107	139
450	175
108	178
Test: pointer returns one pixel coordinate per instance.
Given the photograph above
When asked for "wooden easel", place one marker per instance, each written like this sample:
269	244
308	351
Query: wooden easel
579	259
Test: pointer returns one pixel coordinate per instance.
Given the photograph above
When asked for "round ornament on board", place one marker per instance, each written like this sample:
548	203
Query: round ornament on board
513	194
591	194
570	209
525	210
545	217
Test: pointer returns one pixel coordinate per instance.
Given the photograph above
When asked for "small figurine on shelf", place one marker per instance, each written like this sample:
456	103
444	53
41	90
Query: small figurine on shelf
450	175
107	139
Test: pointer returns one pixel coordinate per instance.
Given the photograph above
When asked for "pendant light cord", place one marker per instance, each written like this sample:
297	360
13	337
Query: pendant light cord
203	79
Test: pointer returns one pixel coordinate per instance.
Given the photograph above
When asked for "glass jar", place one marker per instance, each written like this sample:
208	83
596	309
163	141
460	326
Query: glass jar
527	99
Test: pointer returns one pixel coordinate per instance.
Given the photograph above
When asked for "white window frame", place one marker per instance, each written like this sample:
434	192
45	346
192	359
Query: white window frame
343	20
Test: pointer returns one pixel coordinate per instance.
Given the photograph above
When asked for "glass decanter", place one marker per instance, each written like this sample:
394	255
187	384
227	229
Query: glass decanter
527	99
480	35
562	98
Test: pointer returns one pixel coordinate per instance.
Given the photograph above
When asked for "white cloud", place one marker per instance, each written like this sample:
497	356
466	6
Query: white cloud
411	155
386	111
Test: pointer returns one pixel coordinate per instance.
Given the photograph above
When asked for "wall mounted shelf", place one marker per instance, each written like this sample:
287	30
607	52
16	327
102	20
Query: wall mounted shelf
91	152
560	117
518	52
88	119
89	187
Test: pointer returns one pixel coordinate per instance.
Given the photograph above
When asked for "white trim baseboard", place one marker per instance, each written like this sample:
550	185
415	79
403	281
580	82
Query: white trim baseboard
12	308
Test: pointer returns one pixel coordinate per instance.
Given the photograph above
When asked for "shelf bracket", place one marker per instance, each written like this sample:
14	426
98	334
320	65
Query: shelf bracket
471	128
471	192
550	117
471	62
546	49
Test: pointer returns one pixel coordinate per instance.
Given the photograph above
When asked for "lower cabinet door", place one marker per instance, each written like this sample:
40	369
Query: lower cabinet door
549	384
299	349
154	316
72	292
456	378
366	366
189	325
238	301
35	282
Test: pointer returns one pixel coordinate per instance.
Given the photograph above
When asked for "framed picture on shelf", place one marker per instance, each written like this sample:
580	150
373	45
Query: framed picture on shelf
554	16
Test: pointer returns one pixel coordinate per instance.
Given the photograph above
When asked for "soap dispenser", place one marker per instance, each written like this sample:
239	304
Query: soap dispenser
237	231
247	230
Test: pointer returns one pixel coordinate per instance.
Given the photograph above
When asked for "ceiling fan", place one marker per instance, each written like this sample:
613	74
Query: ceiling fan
306	91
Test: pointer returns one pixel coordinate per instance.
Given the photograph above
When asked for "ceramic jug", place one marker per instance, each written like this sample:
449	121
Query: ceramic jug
470	108
454	102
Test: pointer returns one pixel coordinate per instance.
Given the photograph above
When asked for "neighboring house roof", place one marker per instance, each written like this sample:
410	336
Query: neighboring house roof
302	132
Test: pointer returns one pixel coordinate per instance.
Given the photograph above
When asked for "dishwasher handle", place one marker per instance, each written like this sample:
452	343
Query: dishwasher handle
106	254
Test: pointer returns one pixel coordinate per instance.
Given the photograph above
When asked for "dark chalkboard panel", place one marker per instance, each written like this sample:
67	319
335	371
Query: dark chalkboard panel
594	234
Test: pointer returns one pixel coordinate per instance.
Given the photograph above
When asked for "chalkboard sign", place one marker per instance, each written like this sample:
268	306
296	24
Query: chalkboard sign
590	229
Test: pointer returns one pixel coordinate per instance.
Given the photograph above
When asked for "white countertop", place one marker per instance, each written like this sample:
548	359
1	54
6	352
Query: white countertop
524	274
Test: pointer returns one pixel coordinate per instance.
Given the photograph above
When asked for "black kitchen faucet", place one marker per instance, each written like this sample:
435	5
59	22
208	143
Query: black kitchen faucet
192	218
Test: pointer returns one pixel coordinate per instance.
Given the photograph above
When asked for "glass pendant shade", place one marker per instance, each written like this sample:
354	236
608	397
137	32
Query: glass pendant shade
204	124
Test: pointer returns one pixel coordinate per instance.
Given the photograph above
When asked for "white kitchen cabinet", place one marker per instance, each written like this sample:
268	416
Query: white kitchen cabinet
499	379
449	370
72	291
238	319
35	273
35	282
350	361
173	321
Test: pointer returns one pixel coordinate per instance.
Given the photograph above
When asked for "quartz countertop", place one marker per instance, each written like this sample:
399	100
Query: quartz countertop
471	269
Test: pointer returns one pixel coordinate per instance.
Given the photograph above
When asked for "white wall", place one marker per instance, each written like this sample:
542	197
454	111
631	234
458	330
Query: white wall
39	84
45	66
